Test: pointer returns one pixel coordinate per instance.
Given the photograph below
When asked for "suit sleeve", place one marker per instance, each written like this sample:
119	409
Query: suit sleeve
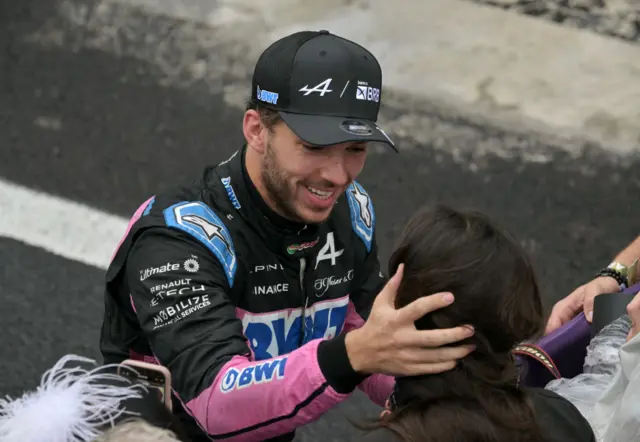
180	293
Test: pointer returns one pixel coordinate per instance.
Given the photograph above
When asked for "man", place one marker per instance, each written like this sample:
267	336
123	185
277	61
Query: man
253	285
618	275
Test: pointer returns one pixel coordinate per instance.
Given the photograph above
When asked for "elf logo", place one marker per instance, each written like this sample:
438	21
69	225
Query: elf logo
295	248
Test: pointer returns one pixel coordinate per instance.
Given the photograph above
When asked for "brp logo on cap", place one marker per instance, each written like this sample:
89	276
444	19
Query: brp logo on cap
367	93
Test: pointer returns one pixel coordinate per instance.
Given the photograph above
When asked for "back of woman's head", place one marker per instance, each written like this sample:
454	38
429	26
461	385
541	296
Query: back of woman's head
495	289
489	273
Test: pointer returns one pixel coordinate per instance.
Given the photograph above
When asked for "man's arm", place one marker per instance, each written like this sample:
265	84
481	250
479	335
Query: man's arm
582	298
616	273
630	253
192	328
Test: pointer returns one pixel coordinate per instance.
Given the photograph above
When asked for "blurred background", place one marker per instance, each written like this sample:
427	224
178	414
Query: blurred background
527	110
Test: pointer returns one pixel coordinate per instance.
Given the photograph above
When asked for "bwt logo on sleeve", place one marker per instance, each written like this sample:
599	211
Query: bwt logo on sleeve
261	373
278	333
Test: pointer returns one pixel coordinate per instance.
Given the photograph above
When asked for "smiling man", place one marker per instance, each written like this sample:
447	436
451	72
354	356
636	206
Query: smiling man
256	286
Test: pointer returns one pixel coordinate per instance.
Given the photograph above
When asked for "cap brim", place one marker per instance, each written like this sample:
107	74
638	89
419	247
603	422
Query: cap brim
322	130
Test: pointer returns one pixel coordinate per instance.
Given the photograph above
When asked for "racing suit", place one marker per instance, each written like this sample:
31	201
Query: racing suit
248	315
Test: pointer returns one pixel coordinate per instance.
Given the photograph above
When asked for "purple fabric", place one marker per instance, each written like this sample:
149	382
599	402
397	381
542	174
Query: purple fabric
566	346
633	289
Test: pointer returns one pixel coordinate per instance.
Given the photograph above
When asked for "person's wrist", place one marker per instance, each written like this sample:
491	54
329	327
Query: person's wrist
617	272
334	364
608	283
357	351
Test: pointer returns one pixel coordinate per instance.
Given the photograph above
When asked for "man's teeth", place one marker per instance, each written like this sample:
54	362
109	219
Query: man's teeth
321	194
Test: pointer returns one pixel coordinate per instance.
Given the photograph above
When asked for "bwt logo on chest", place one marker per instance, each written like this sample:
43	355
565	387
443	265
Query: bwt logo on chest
277	333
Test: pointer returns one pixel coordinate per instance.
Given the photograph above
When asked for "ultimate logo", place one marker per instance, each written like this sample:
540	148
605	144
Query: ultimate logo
294	248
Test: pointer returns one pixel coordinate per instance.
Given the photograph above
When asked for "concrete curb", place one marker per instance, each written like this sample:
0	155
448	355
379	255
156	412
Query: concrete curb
482	63
507	68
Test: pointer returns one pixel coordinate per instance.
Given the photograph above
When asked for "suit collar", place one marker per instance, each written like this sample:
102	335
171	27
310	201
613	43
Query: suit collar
283	236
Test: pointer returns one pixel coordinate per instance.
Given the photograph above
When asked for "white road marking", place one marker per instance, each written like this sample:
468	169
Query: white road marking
60	226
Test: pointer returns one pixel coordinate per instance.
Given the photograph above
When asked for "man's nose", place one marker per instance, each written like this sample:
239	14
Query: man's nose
336	172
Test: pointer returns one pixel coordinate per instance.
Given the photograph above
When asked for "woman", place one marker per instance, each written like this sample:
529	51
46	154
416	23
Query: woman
467	254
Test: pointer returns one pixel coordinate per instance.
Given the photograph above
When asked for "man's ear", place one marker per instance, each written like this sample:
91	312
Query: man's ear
254	131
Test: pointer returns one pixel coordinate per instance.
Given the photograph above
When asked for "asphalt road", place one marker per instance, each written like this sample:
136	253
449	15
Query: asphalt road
100	129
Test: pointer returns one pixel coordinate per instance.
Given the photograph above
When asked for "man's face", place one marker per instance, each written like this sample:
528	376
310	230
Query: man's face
304	182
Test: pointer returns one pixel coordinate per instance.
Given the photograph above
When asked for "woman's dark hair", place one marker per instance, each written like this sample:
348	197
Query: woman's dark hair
495	289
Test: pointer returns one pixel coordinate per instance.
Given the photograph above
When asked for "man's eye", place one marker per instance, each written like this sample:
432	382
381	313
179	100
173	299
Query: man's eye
312	148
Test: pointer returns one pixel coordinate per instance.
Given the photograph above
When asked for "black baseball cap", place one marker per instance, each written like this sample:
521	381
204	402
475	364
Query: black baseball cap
326	88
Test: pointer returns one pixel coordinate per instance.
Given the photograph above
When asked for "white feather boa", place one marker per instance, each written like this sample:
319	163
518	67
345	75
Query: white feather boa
71	404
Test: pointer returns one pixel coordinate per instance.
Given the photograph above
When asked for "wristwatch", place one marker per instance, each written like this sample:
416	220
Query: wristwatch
626	276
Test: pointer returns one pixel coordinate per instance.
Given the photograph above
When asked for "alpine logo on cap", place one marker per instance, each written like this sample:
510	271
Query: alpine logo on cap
321	88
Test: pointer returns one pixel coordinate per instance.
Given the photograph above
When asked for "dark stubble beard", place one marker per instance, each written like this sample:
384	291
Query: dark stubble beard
276	184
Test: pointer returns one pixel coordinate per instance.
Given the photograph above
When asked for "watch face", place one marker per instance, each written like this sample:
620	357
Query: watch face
618	267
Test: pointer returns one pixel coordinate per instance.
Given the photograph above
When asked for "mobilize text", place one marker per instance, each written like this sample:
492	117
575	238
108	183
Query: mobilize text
173	314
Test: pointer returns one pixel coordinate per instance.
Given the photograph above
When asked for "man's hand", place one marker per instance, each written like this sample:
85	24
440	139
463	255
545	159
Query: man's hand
389	342
581	299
